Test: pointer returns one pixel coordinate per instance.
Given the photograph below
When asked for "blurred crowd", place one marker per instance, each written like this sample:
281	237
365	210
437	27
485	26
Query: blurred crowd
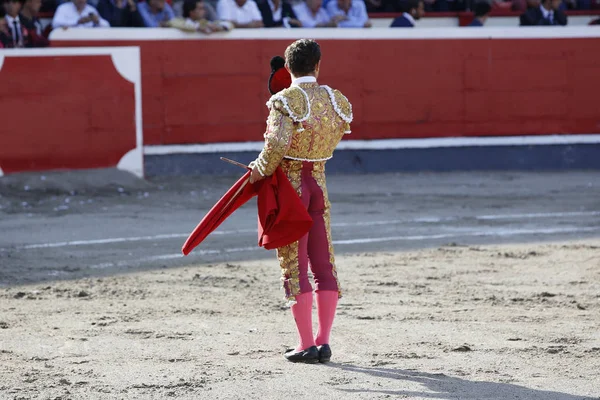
21	26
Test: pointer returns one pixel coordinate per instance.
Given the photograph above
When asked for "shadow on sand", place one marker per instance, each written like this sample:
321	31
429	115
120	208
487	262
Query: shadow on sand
441	386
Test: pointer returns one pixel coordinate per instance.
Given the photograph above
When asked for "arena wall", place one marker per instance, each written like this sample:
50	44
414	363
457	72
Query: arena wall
71	109
204	94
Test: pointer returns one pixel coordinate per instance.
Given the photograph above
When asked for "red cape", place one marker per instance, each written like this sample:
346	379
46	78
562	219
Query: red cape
282	218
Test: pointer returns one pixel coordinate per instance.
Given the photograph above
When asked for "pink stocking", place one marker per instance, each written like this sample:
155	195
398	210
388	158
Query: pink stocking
302	312
326	304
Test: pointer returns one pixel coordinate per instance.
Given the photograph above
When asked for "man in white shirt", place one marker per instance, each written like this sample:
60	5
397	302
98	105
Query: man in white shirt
312	15
354	13
78	14
12	8
242	13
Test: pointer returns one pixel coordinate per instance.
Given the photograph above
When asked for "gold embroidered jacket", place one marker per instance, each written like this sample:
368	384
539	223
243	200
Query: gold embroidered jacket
306	122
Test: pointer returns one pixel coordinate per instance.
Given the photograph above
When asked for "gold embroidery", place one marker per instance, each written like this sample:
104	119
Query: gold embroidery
344	106
288	260
294	100
323	130
300	129
288	255
278	139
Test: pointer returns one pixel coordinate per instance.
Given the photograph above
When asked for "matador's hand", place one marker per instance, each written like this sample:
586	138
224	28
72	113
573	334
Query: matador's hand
255	176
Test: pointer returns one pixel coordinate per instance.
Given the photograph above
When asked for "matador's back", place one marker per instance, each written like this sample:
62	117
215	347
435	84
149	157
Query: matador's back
306	122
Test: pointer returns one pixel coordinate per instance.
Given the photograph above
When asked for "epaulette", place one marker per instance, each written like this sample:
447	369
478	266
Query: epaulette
295	102
340	103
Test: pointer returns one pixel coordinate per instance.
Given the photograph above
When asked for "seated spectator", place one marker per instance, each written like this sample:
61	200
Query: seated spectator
413	11
211	12
277	13
241	13
33	27
482	11
546	14
354	13
156	13
16	30
194	13
120	13
312	15
77	14
6	40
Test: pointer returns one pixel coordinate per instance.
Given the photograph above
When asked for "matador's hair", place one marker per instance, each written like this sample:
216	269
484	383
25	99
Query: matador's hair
302	56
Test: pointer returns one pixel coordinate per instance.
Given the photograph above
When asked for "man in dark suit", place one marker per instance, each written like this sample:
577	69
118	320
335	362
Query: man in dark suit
5	36
413	10
120	13
32	24
278	13
547	13
482	10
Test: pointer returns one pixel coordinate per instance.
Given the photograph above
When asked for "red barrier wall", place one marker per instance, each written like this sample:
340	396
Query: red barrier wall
202	91
64	112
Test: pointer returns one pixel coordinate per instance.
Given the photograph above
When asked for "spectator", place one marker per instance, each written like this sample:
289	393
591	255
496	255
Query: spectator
195	12
546	14
78	14
312	15
6	40
241	13
156	13
354	13
277	13
13	21
121	13
482	11
32	27
211	12
413	10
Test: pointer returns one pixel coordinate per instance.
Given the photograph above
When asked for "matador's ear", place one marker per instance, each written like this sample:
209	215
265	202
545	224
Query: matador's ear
280	78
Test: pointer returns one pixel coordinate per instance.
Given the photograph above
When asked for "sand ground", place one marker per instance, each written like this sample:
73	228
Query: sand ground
461	316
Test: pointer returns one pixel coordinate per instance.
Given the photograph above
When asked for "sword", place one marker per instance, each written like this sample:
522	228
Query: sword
235	163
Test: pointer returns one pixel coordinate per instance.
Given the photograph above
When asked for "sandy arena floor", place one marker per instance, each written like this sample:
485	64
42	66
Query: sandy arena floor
457	286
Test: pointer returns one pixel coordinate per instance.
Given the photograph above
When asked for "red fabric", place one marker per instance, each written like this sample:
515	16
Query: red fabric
279	80
236	196
282	218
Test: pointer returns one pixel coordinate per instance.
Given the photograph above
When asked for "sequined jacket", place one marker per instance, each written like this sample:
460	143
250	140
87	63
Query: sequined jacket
306	122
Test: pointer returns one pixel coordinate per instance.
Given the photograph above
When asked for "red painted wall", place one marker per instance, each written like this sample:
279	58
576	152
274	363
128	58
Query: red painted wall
64	112
202	91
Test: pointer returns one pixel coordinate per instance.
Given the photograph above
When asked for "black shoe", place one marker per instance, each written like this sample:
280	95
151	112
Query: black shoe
324	353
307	356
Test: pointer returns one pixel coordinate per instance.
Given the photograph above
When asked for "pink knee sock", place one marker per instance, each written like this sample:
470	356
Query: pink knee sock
302	312
326	304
